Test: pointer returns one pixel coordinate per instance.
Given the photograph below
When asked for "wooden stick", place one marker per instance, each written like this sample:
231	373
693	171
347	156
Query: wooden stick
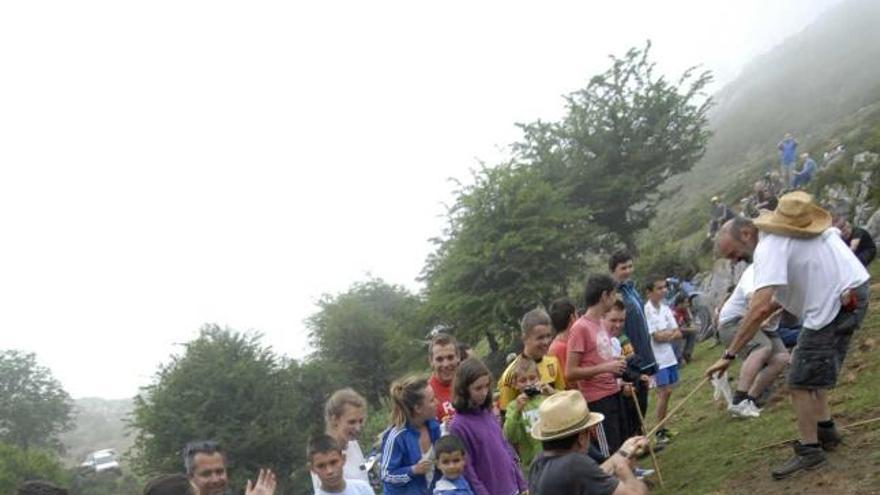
642	423
675	409
786	442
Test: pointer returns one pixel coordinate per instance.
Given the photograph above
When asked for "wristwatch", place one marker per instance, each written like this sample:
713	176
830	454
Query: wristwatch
625	453
728	355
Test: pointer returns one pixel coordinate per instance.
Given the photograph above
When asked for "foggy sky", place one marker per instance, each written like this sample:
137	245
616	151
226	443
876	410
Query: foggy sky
166	164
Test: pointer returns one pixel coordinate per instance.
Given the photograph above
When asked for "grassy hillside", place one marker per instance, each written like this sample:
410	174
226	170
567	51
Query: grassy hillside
822	84
714	453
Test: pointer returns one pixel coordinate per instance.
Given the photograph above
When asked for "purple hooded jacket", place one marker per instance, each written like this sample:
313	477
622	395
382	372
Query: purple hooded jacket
491	467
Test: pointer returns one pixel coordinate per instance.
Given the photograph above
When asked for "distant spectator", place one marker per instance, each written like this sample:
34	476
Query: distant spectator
787	156
563	314
761	199
773	183
465	351
720	214
808	170
859	241
444	354
40	488
681	310
172	484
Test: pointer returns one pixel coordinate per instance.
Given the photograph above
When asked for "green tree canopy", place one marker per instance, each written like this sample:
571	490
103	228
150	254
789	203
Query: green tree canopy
370	334
34	408
512	243
18	465
227	387
623	135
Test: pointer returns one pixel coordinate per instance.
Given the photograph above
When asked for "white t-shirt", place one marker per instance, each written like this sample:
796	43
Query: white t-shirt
809	274
660	319
737	304
354	461
352	487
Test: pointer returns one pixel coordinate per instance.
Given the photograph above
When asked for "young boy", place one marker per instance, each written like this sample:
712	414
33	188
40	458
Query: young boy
523	412
326	460
450	461
664	331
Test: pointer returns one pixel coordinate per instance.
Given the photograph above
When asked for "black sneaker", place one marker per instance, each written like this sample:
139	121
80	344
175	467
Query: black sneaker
829	438
662	438
805	457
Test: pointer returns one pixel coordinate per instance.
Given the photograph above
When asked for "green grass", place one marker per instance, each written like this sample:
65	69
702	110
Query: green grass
713	452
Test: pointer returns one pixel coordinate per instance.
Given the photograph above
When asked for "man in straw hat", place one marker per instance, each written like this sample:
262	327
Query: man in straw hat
802	265
564	427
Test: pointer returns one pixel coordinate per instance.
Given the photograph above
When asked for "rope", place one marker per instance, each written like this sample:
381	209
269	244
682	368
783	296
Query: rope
659	425
790	440
650	448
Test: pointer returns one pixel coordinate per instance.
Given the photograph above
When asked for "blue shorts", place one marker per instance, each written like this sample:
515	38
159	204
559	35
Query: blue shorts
667	376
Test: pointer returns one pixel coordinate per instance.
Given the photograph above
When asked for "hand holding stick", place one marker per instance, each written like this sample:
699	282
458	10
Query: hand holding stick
650	448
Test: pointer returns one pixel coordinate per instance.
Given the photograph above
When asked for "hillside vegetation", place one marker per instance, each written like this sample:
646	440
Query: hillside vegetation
823	85
632	163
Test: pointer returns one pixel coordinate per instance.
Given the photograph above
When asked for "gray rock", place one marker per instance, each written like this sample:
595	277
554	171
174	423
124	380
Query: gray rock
873	225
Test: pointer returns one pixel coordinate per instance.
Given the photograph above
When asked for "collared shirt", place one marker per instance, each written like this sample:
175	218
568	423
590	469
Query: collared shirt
660	318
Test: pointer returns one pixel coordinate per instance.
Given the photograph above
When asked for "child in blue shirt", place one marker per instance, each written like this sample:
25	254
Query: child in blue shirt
450	460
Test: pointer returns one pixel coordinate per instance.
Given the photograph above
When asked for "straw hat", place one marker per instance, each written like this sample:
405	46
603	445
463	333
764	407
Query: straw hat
795	216
562	415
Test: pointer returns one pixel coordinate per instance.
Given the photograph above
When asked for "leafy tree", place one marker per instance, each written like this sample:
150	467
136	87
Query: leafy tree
227	387
622	137
34	408
18	465
512	243
368	336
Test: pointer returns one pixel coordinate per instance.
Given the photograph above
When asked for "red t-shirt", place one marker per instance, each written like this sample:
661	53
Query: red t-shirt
559	348
588	337
443	394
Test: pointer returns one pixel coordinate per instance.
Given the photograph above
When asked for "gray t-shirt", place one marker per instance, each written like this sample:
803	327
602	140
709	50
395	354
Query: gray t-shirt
573	473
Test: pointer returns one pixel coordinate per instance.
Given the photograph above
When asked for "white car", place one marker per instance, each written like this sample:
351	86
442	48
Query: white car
101	461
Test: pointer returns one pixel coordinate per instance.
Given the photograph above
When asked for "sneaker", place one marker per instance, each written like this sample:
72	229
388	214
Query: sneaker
642	473
829	438
753	407
744	409
662	438
805	457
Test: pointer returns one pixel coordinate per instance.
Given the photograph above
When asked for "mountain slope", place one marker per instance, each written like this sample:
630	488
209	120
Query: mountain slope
808	85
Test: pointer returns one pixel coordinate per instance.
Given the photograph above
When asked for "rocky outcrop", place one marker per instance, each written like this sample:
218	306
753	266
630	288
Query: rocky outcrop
714	284
851	199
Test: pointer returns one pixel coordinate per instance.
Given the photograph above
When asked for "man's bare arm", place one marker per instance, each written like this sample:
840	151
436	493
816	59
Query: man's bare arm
667	335
761	307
